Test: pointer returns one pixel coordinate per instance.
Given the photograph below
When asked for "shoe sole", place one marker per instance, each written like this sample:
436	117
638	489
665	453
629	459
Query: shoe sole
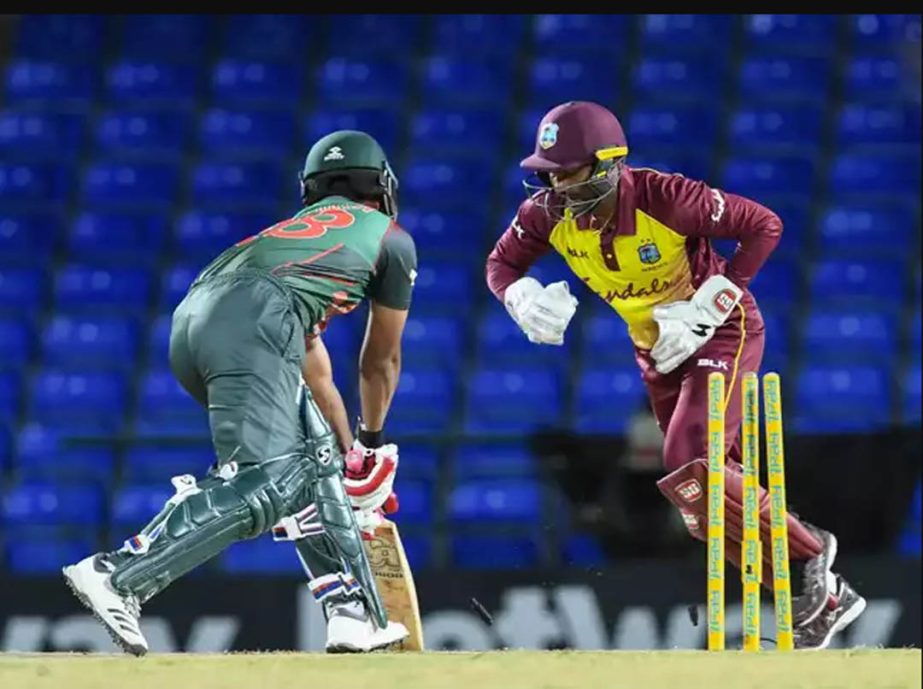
382	646
134	649
830	560
845	620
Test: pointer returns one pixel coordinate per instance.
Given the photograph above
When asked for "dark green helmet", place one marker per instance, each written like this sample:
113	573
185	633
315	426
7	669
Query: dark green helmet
352	164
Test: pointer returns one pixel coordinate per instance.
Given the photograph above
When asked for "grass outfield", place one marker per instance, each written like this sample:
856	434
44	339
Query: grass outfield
865	669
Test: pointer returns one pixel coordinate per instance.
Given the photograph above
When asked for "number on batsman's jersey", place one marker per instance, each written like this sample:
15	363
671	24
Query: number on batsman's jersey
332	255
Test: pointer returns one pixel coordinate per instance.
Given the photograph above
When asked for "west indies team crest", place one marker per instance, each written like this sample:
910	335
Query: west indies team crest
648	253
548	136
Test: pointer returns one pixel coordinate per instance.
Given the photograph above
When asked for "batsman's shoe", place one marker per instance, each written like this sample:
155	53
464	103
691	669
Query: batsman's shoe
816	635
818	582
350	629
89	580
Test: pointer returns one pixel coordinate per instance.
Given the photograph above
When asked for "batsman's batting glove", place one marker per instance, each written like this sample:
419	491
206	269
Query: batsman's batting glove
687	325
370	471
543	313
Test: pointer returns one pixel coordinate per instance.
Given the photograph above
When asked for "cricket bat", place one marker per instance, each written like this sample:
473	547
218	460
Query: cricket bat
395	582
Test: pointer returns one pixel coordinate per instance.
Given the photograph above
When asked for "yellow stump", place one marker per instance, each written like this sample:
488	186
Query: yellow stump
715	605
751	566
775	464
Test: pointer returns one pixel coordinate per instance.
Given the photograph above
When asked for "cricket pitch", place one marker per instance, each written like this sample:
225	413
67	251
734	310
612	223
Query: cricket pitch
863	668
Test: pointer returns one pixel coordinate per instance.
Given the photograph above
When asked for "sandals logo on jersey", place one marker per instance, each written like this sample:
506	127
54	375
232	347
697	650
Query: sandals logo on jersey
724	301
548	136
690	490
648	253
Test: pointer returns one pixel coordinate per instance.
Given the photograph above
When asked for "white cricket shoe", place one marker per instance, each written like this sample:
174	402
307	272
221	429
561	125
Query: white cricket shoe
89	580
350	629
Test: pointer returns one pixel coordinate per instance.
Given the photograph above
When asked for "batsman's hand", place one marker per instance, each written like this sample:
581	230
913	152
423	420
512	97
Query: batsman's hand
543	313
369	476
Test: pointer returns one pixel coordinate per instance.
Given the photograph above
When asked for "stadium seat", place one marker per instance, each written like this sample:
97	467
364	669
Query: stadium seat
448	233
219	184
462	79
910	394
433	340
665	33
85	287
266	36
790	32
501	340
151	465
425	399
341	81
513	400
175	282
249	81
59	36
206	233
90	341
77	465
864	229
119	184
80	403
159	341
850	398
28	237
50	82
441	284
652	127
457	129
550	31
486	460
776	77
47	555
52	504
263	132
36	135
879	281
383	123
553	80
491	33
262	555
758	176
676	78
135	505
863	174
161	396
101	235
10	396
416	503
387	34
883	30
607	398
158	132
850	335
606	340
778	281
876	78
763	127
21	289
861	125
495	552
150	82
48	184
420	461
16	342
165	35
582	550
495	500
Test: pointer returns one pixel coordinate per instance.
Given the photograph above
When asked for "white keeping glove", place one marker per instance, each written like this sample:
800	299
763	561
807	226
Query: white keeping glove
543	313
687	325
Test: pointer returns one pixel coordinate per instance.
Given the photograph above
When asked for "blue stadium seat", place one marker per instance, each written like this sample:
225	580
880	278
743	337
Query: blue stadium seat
914	338
850	335
438	181
208	233
223	183
6	448
171	429
424	401
80	403
35	135
866	173
884	30
46	81
442	284
857	397
556	79
910	394
165	35
100	235
550	31
689	32
84	465
174	283
59	36
148	82
15	342
777	335
83	287
383	123
355	80
864	229
448	233
420	461
606	340
491	33
675	78
45	555
875	77
416	502
496	500
607	398
649	127
21	289
500	340
582	550
803	32
264	132
759	176
117	184
861	124
756	127
143	464
266	36
797	219
513	400
374	33
263	556
433	340
49	504
11	396
879	281
444	129
777	77
689	163
133	506
35	183
161	396
485	460
778	281
93	341
240	81
495	552
418	548
459	79
141	130
28	237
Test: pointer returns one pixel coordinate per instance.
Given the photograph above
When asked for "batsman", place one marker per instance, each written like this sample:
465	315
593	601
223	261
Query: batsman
641	240
243	340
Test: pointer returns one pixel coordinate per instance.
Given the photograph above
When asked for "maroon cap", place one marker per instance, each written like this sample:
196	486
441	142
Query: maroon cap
571	135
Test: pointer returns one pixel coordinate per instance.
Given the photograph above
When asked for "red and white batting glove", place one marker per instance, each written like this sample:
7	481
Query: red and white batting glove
369	482
687	325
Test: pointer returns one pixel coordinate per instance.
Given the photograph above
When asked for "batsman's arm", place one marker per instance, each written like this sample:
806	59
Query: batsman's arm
317	372
704	211
523	243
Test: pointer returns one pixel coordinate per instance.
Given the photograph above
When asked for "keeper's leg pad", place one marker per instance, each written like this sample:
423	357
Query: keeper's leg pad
687	486
200	521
